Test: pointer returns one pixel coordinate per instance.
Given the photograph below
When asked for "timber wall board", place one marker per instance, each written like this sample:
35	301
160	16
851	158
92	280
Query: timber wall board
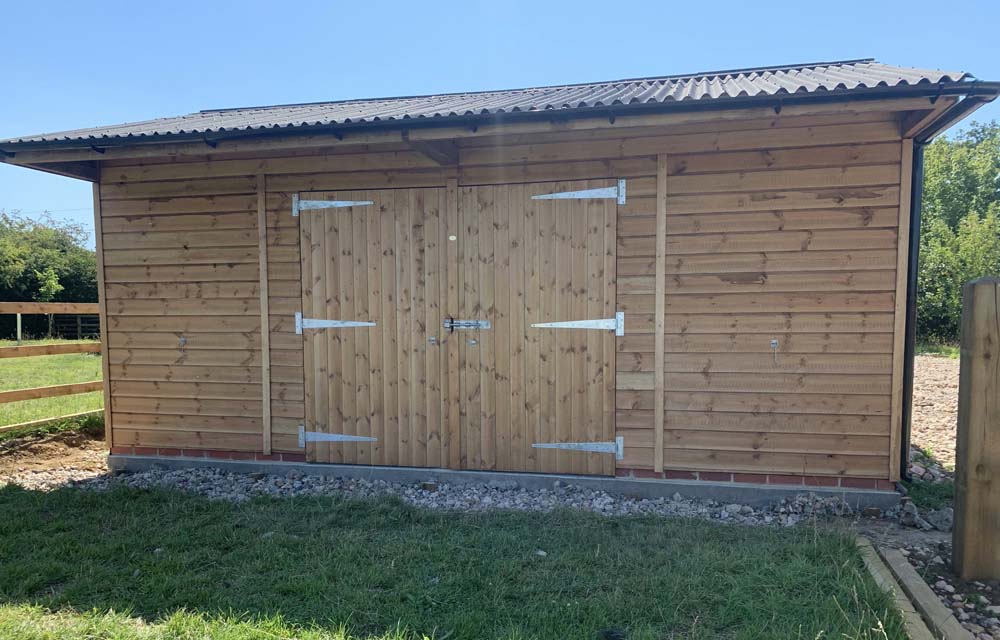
783	228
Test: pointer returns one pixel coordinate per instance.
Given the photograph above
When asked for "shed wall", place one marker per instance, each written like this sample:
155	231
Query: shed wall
784	228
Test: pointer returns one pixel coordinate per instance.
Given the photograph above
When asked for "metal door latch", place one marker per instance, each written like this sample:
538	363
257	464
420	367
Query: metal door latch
451	324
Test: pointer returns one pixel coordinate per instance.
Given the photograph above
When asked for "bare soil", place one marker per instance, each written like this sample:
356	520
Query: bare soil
54	452
935	407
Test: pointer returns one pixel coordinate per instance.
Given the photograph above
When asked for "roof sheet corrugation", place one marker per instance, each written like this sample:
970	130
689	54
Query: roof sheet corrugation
832	77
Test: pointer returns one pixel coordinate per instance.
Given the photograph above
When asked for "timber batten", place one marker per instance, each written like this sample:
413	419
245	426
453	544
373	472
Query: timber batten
757	260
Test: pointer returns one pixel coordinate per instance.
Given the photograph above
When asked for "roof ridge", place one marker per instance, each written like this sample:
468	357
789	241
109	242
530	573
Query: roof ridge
681	76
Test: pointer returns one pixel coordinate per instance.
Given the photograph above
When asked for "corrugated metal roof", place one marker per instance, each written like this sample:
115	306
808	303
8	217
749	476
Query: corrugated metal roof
816	78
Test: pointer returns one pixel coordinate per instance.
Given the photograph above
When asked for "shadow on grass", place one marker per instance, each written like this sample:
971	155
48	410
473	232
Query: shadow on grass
371	567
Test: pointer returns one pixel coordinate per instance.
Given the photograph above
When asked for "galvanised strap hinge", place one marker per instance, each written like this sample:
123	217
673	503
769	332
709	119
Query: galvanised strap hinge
616	193
316	436
307	205
616	324
317	323
617	447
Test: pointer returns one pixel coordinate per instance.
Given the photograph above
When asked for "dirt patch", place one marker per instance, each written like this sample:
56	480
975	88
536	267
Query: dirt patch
53	452
935	407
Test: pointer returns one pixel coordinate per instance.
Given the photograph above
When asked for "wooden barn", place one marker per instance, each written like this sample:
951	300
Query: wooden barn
708	277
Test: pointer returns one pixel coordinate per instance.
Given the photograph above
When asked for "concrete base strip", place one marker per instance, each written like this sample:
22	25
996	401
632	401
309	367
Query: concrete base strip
727	492
938	617
915	627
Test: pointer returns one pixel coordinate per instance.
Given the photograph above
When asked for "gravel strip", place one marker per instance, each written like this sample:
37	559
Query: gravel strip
237	487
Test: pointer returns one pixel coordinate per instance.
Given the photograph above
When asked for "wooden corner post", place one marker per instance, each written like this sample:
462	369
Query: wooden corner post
660	308
102	313
976	537
265	320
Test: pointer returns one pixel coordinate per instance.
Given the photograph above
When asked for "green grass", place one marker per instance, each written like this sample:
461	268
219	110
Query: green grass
133	564
43	371
930	495
91	424
936	349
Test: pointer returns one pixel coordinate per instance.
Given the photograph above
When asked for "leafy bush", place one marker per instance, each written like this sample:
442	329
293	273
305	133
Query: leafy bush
960	232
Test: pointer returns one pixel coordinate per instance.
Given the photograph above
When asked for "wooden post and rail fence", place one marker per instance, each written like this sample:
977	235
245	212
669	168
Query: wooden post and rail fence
20	351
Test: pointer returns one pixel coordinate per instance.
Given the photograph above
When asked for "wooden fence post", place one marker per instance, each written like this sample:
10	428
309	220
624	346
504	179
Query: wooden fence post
976	537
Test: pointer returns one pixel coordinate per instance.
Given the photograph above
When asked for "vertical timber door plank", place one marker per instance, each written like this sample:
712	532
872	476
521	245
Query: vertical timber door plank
532	360
308	337
504	209
390	368
418	334
362	353
471	389
519	429
899	324
594	382
434	295
564	339
374	294
330	411
320	340
660	305
487	310
346	290
404	302
548	346
570	362
452	275
265	323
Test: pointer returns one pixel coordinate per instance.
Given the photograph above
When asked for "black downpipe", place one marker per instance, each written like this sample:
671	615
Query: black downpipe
916	205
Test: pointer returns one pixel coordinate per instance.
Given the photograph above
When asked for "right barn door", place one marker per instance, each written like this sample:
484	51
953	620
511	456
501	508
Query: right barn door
537	388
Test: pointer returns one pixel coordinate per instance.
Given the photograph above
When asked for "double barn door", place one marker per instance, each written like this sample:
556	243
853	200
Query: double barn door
417	315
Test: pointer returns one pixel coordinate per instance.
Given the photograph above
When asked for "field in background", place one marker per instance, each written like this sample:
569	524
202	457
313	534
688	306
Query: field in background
43	371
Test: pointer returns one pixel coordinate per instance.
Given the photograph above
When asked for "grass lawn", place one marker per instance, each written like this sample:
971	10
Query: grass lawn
135	564
931	495
952	351
43	371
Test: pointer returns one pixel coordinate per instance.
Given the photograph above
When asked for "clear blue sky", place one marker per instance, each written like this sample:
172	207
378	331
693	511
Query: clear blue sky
78	64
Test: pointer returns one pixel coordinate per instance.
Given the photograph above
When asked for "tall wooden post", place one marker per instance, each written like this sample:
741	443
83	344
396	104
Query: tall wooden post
976	537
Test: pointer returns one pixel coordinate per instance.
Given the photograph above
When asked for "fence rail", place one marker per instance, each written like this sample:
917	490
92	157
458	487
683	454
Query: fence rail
48	307
49	349
57	390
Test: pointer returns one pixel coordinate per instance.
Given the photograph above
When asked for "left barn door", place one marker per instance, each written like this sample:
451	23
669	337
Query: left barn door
374	286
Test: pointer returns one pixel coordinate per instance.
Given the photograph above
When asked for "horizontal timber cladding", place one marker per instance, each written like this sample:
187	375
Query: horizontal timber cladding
782	228
184	327
799	248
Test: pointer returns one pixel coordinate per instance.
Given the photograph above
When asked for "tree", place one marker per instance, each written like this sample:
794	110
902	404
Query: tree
44	260
960	230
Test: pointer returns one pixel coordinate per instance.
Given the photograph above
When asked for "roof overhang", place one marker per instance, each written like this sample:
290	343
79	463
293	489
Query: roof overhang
938	106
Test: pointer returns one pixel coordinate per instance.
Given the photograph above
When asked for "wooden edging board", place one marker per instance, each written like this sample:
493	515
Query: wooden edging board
937	616
915	627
